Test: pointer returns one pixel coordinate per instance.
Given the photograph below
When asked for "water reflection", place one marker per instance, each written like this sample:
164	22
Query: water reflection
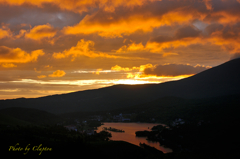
129	134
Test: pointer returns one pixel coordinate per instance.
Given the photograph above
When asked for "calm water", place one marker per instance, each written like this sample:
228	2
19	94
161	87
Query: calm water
129	134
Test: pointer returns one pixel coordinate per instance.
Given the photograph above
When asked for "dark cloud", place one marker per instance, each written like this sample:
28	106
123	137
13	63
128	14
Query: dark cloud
174	70
33	15
187	31
161	39
223	9
4	50
230	6
231	32
148	10
183	32
212	28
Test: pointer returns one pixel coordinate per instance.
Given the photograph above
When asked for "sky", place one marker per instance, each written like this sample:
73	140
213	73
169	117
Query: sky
58	46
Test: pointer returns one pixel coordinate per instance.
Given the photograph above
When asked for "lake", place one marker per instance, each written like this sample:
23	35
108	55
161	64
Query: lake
129	134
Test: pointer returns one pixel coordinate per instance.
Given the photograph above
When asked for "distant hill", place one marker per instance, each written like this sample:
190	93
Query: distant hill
7	120
26	116
222	80
222	109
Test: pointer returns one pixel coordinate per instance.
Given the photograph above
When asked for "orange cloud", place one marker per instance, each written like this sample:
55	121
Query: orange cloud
40	32
149	71
132	71
134	47
58	73
42	76
21	33
156	47
169	54
155	78
227	44
10	55
5	33
128	25
47	66
216	38
223	17
131	75
140	68
131	47
83	48
8	65
119	68
228	39
110	5
97	72
81	5
143	67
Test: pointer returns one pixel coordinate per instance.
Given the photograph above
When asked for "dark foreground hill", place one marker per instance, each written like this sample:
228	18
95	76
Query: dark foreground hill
222	80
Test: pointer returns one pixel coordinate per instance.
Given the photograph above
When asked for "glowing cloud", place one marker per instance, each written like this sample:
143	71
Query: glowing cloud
40	32
227	39
21	33
4	33
83	48
58	73
47	66
224	36
184	36
140	68
169	54
98	71
140	76
8	65
119	68
131	48
156	47
128	25
143	67
10	55
150	71
225	18
41	76
81	5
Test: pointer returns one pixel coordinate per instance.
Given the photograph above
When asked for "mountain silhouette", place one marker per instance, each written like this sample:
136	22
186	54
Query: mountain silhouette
218	81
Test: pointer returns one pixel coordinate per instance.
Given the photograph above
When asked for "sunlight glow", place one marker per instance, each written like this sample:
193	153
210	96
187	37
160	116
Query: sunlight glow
9	90
136	80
